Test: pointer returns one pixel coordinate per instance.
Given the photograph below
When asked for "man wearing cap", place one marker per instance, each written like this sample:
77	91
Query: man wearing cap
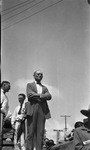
37	111
82	134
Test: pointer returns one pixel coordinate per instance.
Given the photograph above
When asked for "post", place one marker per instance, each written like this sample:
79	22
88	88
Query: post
57	135
65	116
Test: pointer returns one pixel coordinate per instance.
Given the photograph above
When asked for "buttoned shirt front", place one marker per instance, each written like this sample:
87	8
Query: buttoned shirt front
4	102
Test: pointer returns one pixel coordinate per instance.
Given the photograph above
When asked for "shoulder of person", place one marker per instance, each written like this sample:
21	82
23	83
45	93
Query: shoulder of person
79	129
29	84
44	86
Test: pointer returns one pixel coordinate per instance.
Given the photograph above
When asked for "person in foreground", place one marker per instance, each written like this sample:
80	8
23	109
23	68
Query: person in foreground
37	111
82	134
5	87
18	123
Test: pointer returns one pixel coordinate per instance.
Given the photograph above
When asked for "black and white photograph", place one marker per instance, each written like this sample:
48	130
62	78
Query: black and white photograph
45	75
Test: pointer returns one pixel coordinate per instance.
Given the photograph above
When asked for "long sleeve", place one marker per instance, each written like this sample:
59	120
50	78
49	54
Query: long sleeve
78	143
40	96
46	95
31	93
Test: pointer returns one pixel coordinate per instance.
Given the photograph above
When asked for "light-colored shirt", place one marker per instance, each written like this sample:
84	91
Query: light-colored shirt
4	103
39	88
16	116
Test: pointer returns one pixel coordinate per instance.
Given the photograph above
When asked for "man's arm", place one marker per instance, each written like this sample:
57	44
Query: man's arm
46	95
31	94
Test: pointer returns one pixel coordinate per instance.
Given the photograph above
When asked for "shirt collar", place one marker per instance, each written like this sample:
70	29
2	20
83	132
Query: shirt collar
37	83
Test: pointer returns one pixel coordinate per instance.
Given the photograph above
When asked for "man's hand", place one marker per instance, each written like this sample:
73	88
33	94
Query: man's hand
39	98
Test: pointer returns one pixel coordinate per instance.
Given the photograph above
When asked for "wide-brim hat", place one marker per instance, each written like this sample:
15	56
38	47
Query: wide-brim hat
86	112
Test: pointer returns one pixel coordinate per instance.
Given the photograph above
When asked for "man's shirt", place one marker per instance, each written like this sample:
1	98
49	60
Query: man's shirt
16	116
4	103
39	88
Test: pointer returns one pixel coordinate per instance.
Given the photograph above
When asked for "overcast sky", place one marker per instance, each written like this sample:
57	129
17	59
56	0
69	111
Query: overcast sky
55	40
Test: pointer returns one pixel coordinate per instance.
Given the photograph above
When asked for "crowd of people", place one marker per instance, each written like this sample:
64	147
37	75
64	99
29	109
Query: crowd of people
35	112
80	135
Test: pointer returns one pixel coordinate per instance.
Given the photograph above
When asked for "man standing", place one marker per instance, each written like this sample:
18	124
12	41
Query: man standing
37	111
18	123
82	134
5	87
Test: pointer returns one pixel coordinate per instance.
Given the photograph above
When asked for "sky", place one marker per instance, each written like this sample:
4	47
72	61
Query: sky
53	36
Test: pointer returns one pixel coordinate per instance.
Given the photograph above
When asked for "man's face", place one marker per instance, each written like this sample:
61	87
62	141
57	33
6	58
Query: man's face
7	87
38	76
21	99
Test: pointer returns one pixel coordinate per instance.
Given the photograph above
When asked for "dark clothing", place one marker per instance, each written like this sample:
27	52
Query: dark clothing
36	112
82	138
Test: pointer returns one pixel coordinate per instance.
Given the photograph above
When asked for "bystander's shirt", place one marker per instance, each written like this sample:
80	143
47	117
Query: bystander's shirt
4	103
16	116
16	121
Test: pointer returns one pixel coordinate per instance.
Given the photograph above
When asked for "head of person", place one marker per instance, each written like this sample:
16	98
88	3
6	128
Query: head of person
78	124
21	98
5	85
86	112
38	75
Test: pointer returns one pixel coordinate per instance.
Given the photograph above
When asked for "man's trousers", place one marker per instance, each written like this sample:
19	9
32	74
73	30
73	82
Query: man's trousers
18	127
35	129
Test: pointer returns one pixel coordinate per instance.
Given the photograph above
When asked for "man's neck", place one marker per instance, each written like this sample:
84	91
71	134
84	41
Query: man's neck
37	82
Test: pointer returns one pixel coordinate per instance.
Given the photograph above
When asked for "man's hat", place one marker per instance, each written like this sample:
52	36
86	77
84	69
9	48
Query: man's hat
86	112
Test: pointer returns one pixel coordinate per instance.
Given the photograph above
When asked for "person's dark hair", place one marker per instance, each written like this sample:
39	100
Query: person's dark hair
21	94
50	143
4	82
78	124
